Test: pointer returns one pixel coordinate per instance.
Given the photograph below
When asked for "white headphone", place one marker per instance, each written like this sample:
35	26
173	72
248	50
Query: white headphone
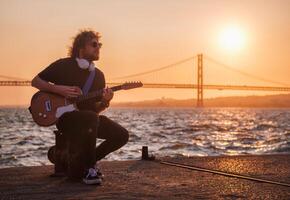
84	64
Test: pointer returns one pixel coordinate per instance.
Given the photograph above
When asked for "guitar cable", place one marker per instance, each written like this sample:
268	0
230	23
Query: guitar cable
152	158
190	167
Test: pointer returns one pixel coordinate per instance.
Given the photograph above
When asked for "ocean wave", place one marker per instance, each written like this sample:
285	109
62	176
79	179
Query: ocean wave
186	132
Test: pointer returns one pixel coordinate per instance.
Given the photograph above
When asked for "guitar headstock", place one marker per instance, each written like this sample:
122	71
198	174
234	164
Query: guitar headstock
131	85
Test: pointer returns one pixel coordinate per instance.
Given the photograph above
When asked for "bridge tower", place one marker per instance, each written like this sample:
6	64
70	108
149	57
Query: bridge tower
199	80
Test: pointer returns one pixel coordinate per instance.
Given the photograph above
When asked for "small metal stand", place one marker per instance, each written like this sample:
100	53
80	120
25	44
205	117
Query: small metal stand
145	155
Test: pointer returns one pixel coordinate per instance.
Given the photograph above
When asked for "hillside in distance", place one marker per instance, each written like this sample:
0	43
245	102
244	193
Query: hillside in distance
281	100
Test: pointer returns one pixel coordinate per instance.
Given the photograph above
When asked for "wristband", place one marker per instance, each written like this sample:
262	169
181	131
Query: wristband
105	103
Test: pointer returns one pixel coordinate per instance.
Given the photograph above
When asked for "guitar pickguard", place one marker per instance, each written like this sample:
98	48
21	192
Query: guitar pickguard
63	109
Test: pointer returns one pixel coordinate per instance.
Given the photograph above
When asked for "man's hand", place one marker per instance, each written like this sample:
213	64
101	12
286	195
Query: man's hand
107	94
63	90
68	91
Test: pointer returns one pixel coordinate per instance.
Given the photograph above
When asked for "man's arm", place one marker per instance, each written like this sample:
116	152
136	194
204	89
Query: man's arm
105	101
63	90
42	85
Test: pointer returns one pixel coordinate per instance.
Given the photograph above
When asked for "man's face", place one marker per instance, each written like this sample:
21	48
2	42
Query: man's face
91	50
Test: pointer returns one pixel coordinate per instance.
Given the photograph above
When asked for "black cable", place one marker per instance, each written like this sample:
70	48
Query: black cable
221	173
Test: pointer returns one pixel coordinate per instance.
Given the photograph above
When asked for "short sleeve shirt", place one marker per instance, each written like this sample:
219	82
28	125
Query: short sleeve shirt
66	71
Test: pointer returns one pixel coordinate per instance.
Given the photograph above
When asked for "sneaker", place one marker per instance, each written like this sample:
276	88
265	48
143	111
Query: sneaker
91	177
99	173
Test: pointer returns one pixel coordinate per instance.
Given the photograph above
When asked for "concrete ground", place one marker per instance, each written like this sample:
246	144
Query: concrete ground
138	179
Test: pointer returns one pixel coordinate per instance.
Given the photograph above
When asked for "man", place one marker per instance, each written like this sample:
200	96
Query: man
66	77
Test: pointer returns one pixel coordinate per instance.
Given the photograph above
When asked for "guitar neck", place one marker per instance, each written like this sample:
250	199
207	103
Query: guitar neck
95	94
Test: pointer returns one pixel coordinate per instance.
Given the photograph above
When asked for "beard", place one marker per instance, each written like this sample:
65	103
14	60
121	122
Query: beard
92	57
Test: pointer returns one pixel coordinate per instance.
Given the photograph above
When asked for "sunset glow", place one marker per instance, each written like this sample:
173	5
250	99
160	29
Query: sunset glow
232	38
141	36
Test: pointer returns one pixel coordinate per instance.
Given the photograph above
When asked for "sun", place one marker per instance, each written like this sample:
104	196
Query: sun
232	38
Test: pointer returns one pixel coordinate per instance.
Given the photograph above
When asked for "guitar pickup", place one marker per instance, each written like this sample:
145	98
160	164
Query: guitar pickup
47	105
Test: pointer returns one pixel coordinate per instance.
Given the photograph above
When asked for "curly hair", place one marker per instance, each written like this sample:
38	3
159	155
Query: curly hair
80	40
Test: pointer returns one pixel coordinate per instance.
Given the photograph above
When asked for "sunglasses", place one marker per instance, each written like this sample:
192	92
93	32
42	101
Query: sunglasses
96	44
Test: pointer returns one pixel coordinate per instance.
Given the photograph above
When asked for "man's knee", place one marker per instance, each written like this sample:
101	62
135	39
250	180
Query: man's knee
123	136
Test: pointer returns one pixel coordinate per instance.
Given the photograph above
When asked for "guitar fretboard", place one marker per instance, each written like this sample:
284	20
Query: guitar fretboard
95	94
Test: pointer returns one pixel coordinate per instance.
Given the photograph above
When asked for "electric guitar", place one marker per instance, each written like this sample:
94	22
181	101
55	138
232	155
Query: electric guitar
47	107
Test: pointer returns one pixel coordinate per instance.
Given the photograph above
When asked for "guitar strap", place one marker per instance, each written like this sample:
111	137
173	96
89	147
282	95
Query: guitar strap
89	82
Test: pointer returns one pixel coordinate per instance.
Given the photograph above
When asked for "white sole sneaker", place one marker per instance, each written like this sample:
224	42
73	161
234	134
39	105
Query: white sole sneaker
92	181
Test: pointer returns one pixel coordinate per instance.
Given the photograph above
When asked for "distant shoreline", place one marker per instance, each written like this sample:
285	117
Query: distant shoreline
267	101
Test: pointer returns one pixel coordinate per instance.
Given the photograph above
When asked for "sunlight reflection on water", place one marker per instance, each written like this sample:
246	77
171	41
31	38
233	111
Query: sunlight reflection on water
167	131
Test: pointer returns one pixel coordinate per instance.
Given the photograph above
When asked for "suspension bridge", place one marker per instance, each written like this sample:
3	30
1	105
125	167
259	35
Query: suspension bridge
199	85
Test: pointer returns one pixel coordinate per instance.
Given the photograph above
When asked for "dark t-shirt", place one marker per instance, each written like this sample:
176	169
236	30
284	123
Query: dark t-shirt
66	71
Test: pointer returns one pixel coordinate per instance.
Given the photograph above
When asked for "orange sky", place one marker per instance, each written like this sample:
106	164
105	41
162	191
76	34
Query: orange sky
142	35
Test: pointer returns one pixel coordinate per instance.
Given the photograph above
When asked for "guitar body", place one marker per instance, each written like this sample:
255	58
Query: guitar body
47	107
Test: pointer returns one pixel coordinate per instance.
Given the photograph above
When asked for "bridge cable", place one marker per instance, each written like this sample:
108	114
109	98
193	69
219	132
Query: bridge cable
154	70
245	73
13	78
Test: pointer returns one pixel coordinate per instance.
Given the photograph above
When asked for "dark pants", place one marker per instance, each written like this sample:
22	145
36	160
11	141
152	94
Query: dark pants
83	127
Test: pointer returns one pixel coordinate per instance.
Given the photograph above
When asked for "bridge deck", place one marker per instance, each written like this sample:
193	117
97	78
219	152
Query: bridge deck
177	86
